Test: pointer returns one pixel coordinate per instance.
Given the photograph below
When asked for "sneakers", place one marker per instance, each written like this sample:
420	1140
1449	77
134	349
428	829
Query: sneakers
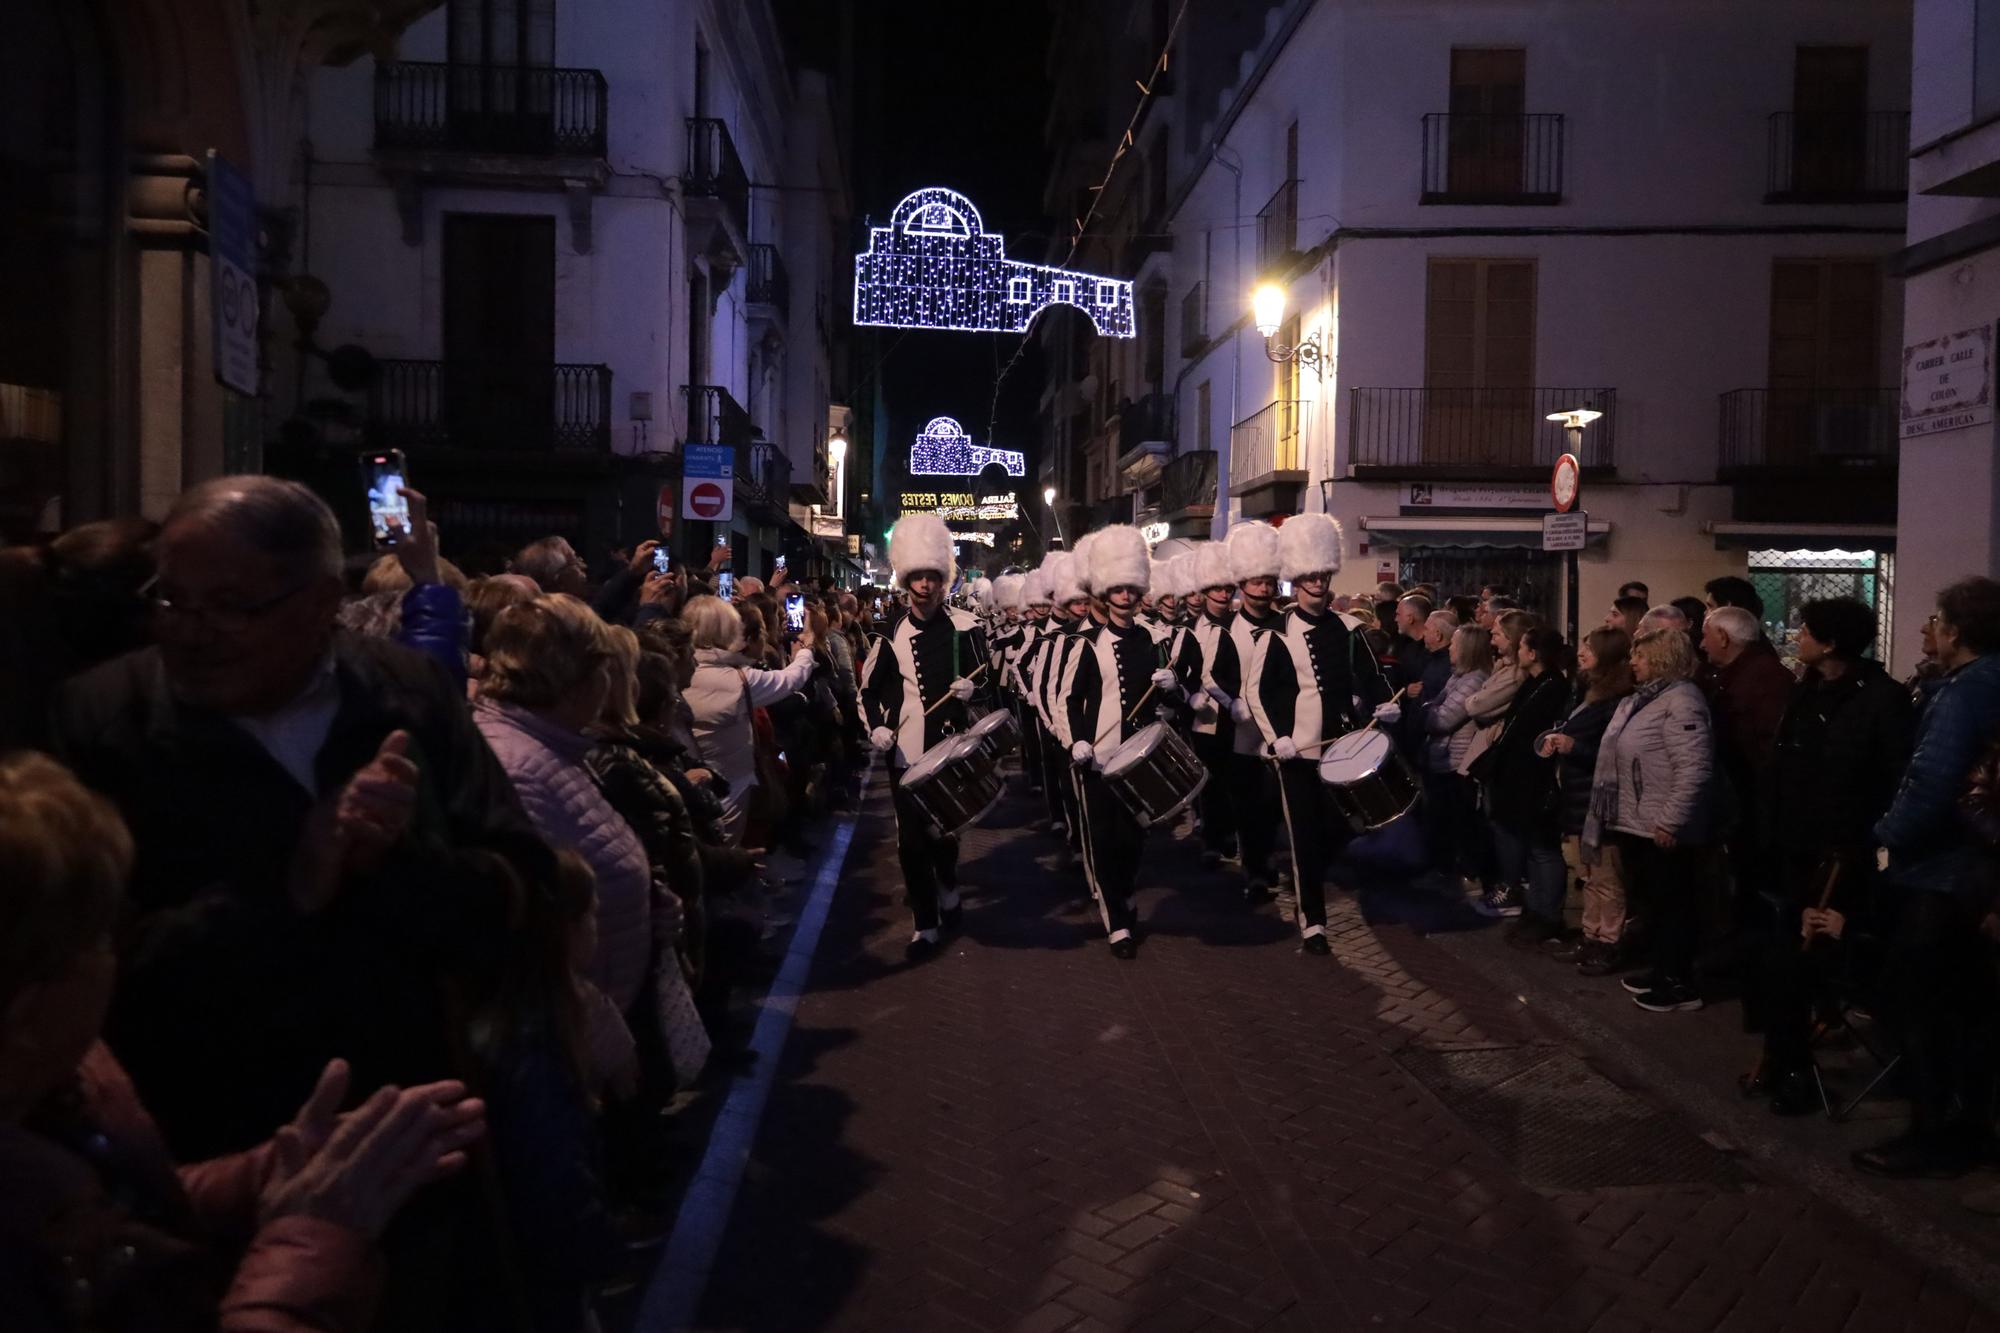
1501	901
1317	946
1597	959
1641	982
1668	997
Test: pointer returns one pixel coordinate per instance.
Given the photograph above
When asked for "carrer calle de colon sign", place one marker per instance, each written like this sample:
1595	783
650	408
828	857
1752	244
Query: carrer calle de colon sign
1948	382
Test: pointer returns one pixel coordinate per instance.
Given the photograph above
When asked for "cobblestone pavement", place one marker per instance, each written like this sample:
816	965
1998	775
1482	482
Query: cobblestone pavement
1025	1134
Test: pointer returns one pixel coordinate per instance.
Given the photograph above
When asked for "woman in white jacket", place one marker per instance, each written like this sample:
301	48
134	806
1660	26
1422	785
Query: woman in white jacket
726	687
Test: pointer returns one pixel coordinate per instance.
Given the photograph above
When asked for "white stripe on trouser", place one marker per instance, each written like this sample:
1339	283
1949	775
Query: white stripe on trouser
1306	932
1089	870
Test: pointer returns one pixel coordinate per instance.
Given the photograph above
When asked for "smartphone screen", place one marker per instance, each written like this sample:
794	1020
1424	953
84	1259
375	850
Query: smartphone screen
725	585
795	611
660	559
388	508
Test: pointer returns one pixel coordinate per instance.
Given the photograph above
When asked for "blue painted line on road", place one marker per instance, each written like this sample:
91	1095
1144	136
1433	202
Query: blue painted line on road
674	1293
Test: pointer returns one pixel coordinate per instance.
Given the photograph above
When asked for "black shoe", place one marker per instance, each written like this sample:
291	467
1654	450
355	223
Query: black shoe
1794	1092
1598	959
1127	948
951	918
1531	932
918	949
1641	982
1500	901
1668	997
1317	946
1257	892
1907	1157
1565	946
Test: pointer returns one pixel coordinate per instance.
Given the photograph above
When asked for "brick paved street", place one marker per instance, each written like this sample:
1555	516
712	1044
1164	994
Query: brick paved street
1025	1134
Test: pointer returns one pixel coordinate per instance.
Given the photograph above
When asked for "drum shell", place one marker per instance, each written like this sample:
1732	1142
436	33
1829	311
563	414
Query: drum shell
998	732
957	790
1159	786
1377	798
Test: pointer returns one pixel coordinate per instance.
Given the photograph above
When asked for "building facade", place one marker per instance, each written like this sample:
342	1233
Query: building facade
1482	215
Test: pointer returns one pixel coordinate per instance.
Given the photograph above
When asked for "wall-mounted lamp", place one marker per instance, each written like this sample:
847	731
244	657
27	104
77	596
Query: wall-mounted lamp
1267	312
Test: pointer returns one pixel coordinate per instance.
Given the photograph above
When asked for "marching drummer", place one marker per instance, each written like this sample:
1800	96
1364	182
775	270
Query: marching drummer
1011	642
1039	671
1117	686
916	685
1313	680
1249	560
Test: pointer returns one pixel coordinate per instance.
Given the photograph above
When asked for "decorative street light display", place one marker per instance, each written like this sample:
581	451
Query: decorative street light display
1267	312
936	267
943	449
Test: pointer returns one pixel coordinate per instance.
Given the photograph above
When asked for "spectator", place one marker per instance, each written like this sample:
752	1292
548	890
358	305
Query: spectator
1747	687
1929	672
1651	794
1696	614
1938	973
1488	707
429	610
1604	677
1626	613
724	690
554	565
1634	588
1411	653
1731	590
98	1230
1453	822
1521	800
489	597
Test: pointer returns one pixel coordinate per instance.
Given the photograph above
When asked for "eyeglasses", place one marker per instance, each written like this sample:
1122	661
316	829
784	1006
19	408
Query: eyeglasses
229	617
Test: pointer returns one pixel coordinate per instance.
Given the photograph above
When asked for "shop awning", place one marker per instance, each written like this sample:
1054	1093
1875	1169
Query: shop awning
1732	536
1467	530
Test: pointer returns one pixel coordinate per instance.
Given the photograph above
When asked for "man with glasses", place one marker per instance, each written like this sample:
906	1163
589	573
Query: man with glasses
1311	681
318	828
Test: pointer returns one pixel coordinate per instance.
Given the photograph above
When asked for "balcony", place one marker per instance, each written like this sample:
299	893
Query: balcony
1267	457
1194	320
1278	230
714	417
1141	435
1488	434
491	408
1859	157
1807	433
1480	159
769	285
1188	486
504	109
718	192
764	479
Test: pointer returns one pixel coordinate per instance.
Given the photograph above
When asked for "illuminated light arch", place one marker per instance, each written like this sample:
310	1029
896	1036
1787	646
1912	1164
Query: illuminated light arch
943	449
935	266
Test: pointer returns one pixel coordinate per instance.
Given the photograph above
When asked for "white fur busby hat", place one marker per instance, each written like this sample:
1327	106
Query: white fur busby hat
1118	559
1079	555
919	542
1065	584
979	591
1171	577
1038	585
1253	551
1211	567
1007	591
1310	544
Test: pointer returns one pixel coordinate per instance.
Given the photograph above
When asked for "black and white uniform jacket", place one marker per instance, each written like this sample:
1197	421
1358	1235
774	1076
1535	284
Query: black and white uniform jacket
1228	645
1113	670
911	664
1034	666
1062	673
1313	679
1011	648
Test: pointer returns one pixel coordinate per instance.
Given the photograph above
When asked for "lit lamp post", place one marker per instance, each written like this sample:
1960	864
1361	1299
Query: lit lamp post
1565	490
1049	499
1267	312
836	450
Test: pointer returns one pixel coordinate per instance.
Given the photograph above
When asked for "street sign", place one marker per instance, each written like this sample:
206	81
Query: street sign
1565	532
1565	483
708	481
232	274
663	512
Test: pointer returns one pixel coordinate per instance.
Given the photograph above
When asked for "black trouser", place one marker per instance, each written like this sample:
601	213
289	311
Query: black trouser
930	861
1665	884
1056	785
1938	988
1253	796
1218	812
1453	834
1113	843
1317	834
1031	741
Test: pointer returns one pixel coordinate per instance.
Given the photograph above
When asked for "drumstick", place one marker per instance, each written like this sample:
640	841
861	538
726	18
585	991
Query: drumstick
949	695
1129	716
1825	897
1320	745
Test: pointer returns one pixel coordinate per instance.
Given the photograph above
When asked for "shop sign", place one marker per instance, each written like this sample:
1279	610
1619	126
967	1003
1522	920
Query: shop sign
1428	496
1948	382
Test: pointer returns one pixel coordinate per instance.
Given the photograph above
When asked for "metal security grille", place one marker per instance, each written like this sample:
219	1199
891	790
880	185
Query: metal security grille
1787	580
1533	576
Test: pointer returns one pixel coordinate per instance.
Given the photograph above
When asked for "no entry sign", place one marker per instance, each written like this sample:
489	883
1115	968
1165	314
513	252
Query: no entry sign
708	481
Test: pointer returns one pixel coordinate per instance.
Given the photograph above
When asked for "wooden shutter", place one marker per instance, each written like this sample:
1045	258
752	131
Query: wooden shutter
1489	94
1479	363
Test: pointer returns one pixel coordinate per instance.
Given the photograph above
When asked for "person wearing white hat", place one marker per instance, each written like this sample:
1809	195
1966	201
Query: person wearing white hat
1248	560
917	685
1118	685
1012	636
1069	617
1312	680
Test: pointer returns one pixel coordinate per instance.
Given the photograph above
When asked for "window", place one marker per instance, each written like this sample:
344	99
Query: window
1107	293
1830	119
1018	289
1065	292
1489	95
491	45
1824	316
1479	362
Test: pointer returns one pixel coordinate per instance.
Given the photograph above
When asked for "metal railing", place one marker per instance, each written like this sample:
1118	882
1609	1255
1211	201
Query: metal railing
1474	433
714	171
491	406
1189	482
489	108
1148	417
769	472
1269	442
1194	319
1278	228
1481	159
1808	430
1858	156
714	417
768	283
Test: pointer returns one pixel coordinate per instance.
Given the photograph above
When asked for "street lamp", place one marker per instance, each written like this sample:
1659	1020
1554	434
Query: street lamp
1049	499
1267	312
1573	421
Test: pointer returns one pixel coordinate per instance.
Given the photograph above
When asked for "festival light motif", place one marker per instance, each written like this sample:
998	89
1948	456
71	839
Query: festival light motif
935	267
943	449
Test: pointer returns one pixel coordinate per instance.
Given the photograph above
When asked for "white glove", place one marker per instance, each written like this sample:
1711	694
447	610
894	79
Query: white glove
1165	679
1389	712
1220	695
882	739
1285	748
962	689
1205	704
1239	710
1081	753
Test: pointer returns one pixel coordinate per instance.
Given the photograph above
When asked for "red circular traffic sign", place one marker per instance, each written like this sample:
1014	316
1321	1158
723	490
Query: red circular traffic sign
705	499
663	513
1563	485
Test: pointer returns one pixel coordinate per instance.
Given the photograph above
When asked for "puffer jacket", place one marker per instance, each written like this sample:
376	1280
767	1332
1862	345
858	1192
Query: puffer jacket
1521	784
545	761
726	687
435	624
1488	710
1840	754
1450	723
1585	725
1657	764
1931	846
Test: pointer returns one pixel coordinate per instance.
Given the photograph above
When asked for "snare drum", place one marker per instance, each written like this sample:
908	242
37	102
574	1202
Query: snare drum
1368	780
1155	774
998	732
954	783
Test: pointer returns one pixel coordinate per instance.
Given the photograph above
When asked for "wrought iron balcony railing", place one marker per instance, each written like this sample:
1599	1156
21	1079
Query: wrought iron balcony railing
1808	431
714	171
490	108
769	284
487	405
1473	434
1269	443
714	417
1481	159
1189	483
1278	228
1838	157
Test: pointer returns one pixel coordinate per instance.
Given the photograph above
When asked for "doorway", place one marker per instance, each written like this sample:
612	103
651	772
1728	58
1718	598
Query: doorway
499	330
